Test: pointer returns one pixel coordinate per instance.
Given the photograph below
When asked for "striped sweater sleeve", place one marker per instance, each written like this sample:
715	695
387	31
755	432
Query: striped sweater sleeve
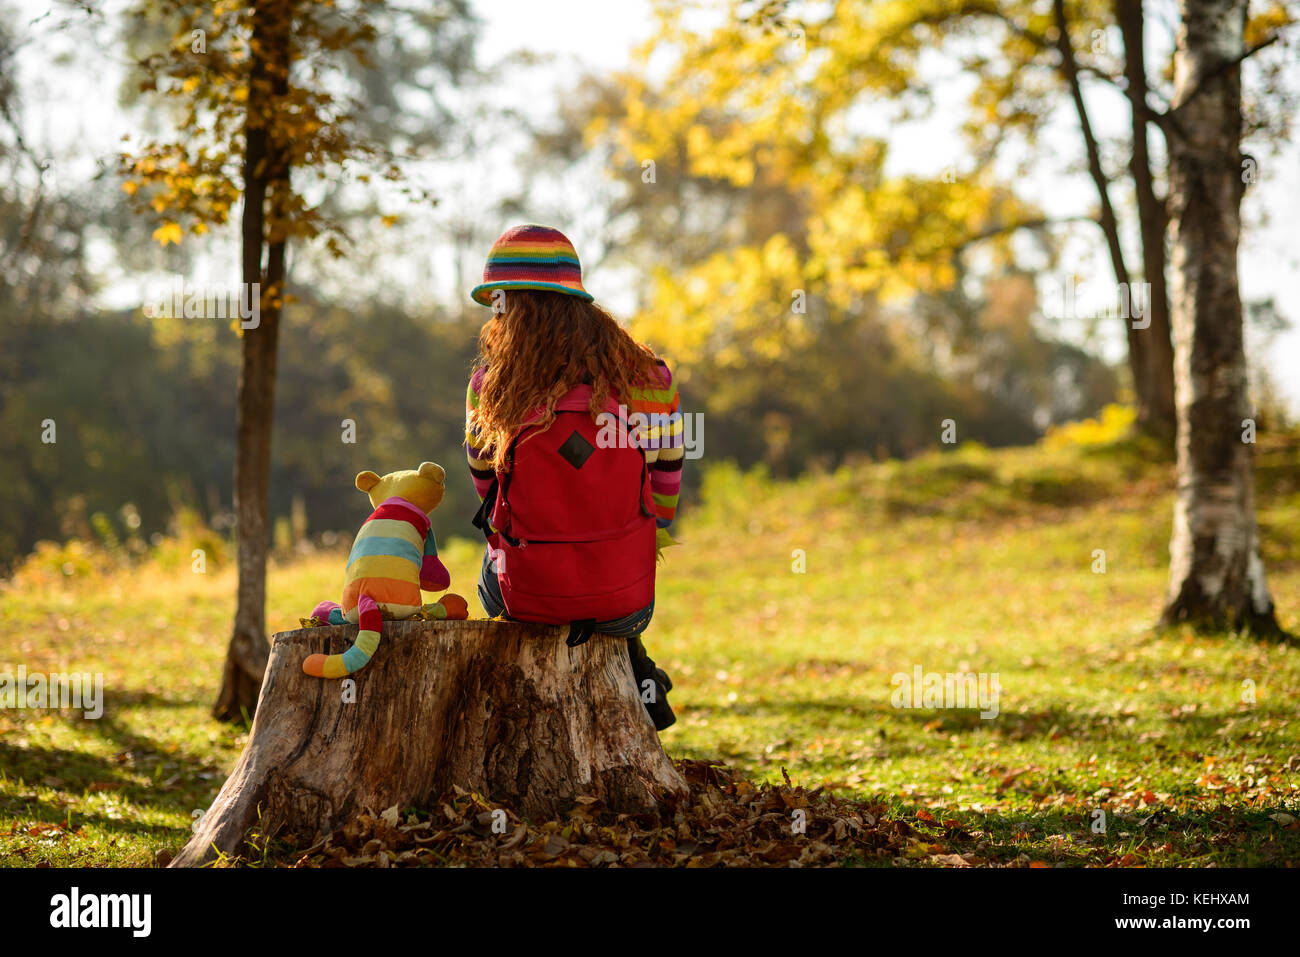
663	440
480	458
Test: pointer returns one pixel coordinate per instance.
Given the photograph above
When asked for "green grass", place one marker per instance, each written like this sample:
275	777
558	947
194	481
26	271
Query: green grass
967	561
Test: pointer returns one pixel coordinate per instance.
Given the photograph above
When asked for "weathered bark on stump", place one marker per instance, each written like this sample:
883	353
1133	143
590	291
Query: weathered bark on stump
502	708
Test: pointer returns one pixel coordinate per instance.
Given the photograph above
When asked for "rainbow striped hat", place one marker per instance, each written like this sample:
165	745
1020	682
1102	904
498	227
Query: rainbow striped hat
531	257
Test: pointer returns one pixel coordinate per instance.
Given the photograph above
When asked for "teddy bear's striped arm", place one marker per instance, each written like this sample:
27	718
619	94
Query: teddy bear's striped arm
433	573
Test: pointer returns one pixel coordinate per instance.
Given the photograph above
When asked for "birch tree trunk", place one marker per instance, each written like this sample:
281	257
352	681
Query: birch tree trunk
1216	576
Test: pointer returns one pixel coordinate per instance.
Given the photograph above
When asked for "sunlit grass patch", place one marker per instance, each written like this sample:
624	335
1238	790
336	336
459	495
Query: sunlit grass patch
782	618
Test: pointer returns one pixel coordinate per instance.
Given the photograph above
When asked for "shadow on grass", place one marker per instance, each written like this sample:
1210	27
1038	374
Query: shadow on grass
139	698
179	778
1222	836
45	812
1197	728
76	772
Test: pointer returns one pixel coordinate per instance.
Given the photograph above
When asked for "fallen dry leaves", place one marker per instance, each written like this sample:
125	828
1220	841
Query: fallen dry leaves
725	820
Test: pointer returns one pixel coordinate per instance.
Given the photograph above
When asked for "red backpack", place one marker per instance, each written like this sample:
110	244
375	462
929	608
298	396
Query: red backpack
571	525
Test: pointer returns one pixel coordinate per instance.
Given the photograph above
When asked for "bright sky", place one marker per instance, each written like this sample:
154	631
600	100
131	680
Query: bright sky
75	105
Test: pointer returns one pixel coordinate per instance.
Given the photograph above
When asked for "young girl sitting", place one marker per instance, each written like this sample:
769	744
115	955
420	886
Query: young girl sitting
574	438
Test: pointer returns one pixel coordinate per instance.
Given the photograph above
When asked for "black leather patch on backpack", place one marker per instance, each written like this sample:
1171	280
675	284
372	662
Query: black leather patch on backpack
576	450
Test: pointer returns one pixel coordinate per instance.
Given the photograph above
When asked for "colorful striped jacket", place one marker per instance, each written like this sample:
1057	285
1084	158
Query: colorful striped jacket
661	438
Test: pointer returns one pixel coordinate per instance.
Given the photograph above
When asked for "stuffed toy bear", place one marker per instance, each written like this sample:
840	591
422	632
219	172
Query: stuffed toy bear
393	556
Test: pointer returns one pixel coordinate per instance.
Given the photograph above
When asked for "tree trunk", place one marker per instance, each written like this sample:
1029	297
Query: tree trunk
506	709
1138	361
1160	413
265	169
1216	575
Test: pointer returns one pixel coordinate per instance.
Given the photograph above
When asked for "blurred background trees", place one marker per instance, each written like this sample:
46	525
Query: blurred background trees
736	189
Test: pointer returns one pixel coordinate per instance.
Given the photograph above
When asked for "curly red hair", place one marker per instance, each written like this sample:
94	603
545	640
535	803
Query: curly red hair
541	346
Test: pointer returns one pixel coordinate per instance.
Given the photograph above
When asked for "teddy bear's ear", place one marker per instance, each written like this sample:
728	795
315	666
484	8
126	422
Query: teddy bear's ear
367	480
432	470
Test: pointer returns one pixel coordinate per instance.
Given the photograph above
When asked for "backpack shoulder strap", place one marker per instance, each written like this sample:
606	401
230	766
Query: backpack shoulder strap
577	399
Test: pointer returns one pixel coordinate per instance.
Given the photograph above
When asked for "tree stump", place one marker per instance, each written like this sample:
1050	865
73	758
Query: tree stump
506	709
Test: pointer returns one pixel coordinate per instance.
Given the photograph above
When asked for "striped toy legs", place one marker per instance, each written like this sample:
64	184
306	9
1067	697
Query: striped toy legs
328	613
371	624
448	608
